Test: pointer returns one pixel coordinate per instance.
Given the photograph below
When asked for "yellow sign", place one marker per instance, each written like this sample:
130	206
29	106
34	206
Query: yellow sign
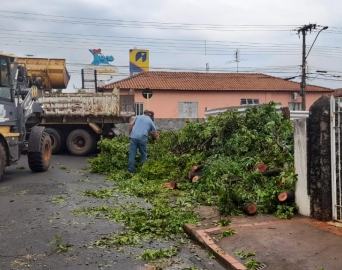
34	91
138	60
106	71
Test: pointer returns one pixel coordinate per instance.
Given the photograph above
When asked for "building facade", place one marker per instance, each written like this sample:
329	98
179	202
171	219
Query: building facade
189	94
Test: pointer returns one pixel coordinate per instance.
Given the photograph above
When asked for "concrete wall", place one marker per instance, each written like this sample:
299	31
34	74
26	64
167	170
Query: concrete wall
313	162
164	124
173	124
300	158
319	160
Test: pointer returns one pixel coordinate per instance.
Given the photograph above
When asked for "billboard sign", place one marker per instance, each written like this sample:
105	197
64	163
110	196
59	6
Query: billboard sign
138	61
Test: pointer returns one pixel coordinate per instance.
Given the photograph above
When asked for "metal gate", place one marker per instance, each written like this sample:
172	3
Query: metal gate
336	174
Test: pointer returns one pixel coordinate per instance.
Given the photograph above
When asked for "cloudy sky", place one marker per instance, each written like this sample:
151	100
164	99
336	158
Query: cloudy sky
181	35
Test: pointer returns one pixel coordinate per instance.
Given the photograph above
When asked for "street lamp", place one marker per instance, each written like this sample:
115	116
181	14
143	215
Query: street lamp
304	57
324	28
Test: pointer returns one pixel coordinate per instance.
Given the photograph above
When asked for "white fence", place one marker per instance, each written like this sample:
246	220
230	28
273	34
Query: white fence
241	109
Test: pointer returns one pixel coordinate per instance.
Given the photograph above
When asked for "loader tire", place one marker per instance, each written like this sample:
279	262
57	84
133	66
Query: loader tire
3	159
40	161
57	140
80	142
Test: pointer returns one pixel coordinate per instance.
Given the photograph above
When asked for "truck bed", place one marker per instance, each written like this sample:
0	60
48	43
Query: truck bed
87	105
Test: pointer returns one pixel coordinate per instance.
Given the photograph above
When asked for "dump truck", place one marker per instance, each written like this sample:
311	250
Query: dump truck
16	98
74	121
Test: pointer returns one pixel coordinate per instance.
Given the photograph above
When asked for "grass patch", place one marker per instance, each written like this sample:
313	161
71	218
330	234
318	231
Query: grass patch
61	246
59	199
100	193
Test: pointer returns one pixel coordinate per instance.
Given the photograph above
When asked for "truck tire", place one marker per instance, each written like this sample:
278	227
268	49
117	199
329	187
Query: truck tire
57	140
80	142
3	159
40	161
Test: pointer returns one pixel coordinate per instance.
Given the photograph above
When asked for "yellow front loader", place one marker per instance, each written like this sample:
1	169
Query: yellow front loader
22	81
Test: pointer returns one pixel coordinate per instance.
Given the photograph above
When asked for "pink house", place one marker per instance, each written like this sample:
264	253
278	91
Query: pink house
189	94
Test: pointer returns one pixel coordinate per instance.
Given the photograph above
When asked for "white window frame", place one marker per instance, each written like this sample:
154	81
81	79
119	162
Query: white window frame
139	108
249	101
187	109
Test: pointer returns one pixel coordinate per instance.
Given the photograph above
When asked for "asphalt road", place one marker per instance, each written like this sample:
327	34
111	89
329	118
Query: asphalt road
36	209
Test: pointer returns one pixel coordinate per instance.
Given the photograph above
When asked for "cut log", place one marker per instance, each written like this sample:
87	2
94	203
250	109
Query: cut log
171	185
195	178
193	174
286	196
197	168
261	167
249	208
273	172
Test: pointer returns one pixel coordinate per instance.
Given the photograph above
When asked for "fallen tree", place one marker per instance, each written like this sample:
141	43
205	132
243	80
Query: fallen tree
245	158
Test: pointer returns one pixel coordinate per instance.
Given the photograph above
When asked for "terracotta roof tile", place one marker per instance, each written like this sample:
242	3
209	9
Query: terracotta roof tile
162	80
338	92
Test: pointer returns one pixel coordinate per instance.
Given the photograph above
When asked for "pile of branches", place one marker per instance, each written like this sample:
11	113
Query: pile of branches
229	149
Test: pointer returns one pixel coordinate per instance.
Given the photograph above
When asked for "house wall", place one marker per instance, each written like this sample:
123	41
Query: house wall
165	103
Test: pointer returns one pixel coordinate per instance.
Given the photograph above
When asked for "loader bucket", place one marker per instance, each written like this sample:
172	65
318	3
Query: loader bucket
52	71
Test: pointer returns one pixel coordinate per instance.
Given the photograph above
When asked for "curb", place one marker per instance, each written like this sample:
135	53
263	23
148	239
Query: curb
203	238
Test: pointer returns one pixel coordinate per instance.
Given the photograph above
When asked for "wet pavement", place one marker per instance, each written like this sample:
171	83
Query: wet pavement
36	210
300	243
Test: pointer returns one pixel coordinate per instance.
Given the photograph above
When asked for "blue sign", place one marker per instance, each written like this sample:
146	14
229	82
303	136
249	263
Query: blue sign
141	56
99	58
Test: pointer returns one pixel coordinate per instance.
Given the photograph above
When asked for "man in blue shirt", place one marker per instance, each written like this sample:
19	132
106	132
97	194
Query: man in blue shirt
139	130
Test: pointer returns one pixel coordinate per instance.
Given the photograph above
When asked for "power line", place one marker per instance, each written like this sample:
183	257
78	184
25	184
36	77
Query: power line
139	24
190	45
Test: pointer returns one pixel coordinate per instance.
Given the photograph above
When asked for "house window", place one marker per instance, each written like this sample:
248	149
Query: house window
139	108
249	101
295	106
187	109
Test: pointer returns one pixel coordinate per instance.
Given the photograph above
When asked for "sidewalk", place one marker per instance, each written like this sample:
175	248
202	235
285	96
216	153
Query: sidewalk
297	244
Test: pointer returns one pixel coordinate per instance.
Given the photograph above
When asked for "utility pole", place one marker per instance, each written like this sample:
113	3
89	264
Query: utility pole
237	60
303	30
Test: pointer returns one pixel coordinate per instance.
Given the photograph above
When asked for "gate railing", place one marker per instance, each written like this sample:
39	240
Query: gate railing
335	137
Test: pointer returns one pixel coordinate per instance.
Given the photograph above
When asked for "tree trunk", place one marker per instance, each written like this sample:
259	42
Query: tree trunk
261	167
249	208
273	172
171	185
197	168
286	196
195	178
191	175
